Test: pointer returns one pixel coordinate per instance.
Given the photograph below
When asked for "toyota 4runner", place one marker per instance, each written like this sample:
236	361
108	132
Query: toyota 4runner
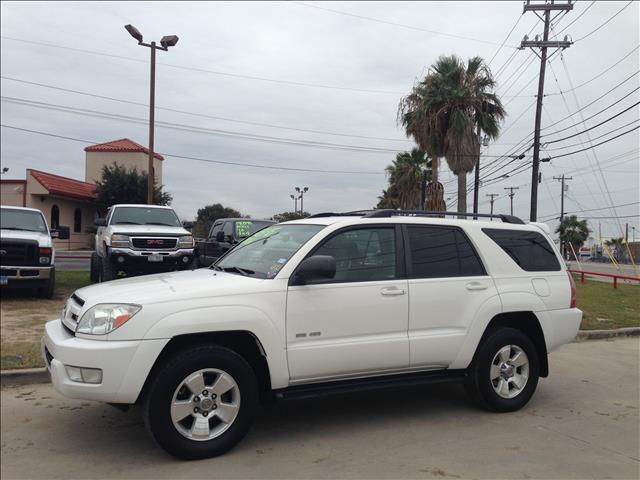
139	239
331	303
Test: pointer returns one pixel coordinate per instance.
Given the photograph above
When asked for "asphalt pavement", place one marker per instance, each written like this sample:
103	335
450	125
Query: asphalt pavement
73	260
583	422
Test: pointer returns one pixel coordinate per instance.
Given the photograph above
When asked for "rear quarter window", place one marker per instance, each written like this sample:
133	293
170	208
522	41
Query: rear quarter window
530	250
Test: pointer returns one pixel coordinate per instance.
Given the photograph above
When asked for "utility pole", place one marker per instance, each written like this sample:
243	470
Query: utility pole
626	233
564	187
493	196
511	195
546	7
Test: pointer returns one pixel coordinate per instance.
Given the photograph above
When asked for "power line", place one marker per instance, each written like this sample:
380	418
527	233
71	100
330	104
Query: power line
202	115
207	160
202	130
597	76
575	19
505	39
596	138
395	24
597	144
604	23
590	128
202	70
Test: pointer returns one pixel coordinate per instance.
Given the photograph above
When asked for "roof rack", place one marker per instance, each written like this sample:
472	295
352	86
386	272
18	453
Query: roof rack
386	213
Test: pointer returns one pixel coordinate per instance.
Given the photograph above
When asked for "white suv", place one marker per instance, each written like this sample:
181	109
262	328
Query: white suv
326	304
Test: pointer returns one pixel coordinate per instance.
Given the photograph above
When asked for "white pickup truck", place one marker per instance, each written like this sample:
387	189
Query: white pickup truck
27	255
331	303
139	239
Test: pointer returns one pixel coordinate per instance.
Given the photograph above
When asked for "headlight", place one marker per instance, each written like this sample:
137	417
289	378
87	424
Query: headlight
119	240
185	242
45	255
106	317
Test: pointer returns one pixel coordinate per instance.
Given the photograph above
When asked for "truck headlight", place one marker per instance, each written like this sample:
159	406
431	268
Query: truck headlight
45	255
118	240
185	242
106	317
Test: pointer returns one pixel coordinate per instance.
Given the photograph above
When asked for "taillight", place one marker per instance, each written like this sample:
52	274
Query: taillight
572	283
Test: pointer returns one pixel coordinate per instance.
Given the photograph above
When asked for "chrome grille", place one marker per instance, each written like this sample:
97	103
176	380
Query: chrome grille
154	243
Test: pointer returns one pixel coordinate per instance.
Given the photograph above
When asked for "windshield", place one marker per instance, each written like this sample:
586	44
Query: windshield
144	216
263	254
22	220
246	228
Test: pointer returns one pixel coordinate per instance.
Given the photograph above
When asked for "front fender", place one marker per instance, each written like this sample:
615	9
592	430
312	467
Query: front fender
230	318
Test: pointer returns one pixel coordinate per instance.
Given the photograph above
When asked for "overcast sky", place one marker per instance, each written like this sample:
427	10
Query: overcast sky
368	65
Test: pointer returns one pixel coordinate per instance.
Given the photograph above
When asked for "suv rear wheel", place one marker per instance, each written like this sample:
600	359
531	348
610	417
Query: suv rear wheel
202	402
505	371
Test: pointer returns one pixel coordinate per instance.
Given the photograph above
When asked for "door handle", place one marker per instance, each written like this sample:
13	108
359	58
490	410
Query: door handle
392	291
476	286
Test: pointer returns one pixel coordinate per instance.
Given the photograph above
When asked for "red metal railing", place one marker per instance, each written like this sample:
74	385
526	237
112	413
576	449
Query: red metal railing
615	277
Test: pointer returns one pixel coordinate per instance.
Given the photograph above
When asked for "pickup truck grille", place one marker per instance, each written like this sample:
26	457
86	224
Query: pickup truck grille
154	243
18	253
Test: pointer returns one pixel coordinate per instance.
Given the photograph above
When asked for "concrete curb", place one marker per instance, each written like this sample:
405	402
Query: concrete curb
603	334
27	376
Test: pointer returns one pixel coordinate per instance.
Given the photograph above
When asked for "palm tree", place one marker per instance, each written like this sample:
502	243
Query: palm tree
405	174
573	231
447	113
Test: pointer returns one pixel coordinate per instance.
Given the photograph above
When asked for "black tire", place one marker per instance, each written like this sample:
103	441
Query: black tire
48	290
479	384
106	272
168	378
94	269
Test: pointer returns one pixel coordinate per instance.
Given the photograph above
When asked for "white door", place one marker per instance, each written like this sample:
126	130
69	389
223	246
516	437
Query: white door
357	322
447	287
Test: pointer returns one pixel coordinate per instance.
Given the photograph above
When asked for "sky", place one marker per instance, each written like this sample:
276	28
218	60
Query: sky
311	91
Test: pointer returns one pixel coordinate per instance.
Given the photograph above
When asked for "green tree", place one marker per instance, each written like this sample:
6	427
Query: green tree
573	231
121	185
209	214
405	175
286	216
447	113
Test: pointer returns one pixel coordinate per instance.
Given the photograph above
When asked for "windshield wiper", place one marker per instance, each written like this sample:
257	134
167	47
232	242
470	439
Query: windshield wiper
242	271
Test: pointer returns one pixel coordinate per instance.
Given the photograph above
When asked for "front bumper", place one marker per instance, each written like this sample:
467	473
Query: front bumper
124	364
140	258
24	277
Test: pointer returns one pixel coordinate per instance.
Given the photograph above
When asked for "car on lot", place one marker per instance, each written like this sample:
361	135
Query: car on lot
27	254
330	303
224	234
139	239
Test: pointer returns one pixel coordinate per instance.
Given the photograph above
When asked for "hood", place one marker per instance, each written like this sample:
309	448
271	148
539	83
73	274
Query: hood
44	240
149	230
166	287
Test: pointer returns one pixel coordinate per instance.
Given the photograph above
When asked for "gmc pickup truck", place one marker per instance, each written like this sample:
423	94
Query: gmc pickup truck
225	233
139	239
26	250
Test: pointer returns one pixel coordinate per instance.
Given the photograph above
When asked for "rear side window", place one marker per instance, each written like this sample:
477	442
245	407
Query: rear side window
441	252
530	250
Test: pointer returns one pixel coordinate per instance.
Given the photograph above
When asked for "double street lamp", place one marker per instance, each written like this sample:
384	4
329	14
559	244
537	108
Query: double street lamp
165	42
302	191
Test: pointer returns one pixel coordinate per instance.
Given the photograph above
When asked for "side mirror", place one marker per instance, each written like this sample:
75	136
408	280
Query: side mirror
317	267
61	233
220	236
100	222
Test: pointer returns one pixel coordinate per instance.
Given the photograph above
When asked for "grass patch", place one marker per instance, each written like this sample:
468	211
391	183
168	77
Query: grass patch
605	307
20	355
72	280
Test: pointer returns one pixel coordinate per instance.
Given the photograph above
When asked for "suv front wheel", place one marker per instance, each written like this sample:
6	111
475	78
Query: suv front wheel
201	402
505	371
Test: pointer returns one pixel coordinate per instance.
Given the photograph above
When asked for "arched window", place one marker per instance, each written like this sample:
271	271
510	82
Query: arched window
77	220
55	216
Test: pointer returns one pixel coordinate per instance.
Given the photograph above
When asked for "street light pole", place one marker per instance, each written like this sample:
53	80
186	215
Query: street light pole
165	42
295	199
302	191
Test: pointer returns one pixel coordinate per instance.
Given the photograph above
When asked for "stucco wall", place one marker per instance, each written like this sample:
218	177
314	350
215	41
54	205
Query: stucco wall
67	207
94	162
12	193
